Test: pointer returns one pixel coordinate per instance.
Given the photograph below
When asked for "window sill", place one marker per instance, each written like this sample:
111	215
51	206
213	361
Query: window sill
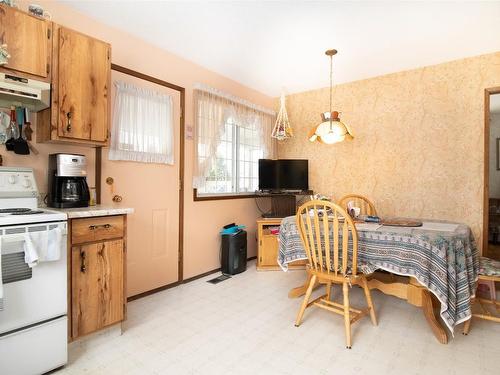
198	198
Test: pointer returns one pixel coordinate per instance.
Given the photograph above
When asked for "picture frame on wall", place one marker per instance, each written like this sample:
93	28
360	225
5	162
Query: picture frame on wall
498	154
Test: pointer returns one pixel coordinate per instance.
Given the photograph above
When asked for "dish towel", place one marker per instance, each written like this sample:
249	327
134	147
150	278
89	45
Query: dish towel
1	279
44	246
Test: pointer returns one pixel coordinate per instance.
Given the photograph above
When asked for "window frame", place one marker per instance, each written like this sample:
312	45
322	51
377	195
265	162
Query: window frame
222	196
236	161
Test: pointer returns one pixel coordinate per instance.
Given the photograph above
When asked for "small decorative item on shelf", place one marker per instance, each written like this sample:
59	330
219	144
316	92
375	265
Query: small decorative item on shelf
37	11
10	3
282	129
4	54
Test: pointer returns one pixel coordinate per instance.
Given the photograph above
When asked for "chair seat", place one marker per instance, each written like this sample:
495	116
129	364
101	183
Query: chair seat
489	267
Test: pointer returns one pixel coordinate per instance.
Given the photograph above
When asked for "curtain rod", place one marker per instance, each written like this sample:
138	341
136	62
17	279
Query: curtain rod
235	99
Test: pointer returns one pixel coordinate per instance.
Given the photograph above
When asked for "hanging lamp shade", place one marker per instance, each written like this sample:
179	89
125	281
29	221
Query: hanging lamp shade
331	130
282	129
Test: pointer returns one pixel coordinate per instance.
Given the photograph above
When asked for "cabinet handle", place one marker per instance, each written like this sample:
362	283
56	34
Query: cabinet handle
69	115
105	226
82	262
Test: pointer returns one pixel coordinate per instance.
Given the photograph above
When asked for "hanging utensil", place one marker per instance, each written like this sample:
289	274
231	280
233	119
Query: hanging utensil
4	124
20	145
27	125
12	130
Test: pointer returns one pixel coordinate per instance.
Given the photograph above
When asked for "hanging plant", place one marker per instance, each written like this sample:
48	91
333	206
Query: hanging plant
282	129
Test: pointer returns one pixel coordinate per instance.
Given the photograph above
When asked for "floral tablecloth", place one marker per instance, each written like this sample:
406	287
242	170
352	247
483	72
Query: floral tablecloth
441	255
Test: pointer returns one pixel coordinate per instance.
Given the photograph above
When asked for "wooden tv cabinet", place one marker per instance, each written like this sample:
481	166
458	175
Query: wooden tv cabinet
267	245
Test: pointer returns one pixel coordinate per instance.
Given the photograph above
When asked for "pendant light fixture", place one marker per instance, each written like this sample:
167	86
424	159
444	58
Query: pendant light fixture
282	129
331	130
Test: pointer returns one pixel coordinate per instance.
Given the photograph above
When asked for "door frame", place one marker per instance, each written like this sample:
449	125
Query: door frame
182	92
486	190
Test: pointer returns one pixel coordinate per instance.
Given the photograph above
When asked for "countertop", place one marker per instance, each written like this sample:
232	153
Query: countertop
93	211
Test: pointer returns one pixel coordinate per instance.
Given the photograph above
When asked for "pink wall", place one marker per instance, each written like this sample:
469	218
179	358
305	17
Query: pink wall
202	220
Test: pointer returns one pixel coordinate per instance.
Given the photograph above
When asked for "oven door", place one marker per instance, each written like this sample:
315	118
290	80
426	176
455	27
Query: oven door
31	295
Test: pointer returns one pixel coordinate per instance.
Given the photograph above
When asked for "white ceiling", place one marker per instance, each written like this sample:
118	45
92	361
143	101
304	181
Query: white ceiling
271	46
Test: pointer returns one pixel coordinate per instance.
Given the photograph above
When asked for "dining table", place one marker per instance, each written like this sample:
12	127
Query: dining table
430	266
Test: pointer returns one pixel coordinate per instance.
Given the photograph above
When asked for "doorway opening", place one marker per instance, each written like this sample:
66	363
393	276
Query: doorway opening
491	206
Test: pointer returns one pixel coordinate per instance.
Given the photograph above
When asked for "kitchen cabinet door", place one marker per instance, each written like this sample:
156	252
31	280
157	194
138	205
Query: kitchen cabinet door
83	81
29	42
269	250
97	286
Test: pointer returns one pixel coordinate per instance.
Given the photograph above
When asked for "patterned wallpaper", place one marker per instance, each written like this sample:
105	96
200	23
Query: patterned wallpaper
418	146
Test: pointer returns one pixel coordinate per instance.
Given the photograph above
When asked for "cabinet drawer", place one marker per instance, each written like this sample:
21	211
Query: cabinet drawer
96	229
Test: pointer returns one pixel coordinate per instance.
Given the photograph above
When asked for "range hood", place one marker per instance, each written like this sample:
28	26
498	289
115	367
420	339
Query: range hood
29	93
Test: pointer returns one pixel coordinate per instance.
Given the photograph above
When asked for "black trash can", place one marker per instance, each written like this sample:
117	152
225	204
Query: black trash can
234	252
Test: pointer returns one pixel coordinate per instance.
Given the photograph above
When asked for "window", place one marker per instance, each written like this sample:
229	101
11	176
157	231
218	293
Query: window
236	162
231	138
142	125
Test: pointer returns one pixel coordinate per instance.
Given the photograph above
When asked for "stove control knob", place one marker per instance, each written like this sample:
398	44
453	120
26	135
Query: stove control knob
27	183
12	179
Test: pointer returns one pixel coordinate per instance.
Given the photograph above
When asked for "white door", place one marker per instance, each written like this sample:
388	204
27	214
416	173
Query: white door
153	191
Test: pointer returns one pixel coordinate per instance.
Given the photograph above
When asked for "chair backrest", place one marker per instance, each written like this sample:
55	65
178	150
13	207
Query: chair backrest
326	230
367	207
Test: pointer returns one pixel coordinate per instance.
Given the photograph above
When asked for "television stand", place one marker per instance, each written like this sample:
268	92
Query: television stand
283	204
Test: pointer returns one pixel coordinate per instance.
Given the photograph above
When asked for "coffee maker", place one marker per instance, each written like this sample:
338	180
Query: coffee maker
68	181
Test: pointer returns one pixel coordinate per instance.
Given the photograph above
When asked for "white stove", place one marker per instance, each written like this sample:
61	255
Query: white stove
19	199
33	296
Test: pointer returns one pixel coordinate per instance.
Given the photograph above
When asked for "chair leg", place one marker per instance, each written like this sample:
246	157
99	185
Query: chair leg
368	296
467	326
347	318
329	290
305	301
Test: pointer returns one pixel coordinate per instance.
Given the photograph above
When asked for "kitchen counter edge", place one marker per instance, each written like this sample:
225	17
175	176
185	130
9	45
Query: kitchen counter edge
93	211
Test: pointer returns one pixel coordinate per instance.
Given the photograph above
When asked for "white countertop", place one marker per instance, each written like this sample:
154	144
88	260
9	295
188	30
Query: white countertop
93	211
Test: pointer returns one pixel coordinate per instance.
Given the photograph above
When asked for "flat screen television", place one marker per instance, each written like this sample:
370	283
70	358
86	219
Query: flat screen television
283	175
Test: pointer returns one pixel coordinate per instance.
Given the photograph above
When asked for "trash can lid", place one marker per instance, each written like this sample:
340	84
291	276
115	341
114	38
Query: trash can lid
232	230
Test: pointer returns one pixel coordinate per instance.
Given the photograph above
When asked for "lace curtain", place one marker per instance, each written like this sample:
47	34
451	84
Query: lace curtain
213	109
143	129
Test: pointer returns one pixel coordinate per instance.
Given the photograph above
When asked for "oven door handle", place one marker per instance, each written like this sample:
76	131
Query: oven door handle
9	238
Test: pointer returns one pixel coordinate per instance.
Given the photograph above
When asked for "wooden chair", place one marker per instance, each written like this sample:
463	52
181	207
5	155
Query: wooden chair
331	261
489	272
367	207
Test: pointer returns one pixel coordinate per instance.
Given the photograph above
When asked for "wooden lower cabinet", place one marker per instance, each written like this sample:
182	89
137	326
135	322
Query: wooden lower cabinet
97	293
268	246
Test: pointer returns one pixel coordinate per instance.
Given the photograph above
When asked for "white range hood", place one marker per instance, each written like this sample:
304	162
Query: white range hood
29	93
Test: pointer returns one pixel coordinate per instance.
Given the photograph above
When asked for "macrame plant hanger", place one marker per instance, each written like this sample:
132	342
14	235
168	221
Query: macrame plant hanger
282	129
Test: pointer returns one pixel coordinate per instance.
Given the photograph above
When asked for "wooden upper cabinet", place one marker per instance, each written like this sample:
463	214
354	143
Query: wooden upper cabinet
29	42
83	86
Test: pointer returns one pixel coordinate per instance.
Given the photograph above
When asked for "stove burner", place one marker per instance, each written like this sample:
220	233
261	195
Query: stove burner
31	212
19	211
12	210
